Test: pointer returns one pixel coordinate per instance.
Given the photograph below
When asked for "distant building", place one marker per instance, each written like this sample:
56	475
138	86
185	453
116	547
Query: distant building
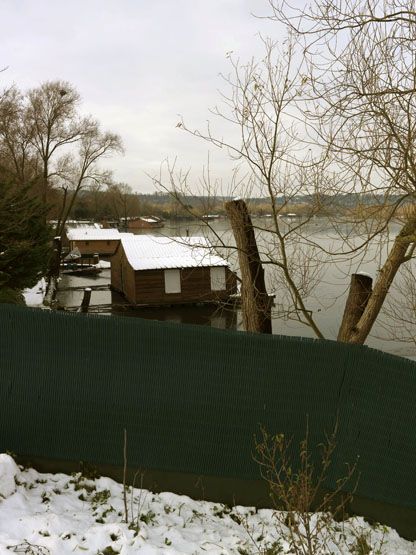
150	270
142	222
91	240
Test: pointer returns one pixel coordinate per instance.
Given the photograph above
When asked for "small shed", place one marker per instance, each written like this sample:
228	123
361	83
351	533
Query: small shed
91	240
154	270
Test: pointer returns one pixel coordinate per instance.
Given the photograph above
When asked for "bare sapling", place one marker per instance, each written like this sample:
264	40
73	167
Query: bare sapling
136	504
304	511
125	486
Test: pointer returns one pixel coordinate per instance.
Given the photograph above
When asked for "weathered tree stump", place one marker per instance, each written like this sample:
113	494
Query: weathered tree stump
360	291
256	304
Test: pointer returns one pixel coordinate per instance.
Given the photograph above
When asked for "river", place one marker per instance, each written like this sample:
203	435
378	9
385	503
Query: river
326	300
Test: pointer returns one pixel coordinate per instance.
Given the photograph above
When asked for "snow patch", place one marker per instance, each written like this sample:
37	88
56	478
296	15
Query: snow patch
103	264
8	471
56	514
35	295
364	274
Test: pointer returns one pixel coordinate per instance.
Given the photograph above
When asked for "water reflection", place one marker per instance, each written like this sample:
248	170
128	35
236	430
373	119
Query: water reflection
71	290
221	317
107	302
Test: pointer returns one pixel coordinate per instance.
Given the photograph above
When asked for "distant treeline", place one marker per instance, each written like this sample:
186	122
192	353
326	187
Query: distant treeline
117	202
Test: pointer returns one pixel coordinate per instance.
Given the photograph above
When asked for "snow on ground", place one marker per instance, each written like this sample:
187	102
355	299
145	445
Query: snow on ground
57	514
35	295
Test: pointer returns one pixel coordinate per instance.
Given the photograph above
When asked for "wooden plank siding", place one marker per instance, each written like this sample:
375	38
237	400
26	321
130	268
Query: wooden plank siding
92	246
195	287
122	276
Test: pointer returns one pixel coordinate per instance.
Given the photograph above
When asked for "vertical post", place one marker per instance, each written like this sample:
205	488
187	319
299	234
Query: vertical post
86	300
256	304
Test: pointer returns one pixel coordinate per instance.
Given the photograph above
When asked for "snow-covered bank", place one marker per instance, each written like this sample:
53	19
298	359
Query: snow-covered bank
58	514
35	295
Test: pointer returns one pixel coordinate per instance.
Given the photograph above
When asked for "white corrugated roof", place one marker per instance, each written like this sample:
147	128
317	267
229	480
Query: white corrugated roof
149	220
149	252
92	234
78	224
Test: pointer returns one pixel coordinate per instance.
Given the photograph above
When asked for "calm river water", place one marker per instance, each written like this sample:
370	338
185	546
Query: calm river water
326	300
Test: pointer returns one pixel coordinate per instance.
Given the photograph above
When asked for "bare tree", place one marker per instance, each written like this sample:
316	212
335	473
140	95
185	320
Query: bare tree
45	143
260	107
19	163
322	20
82	170
79	171
52	123
340	122
121	197
44	140
362	100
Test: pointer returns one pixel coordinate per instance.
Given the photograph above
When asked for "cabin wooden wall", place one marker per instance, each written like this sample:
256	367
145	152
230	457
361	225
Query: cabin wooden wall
122	276
195	287
90	246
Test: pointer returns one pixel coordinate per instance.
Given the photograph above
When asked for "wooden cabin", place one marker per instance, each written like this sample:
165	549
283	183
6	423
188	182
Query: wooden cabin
142	222
91	240
154	270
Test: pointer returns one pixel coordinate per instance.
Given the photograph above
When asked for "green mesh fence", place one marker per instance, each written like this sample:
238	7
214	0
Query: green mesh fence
192	398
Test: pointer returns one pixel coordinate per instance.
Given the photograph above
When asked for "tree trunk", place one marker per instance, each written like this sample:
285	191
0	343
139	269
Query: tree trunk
45	183
397	256
53	271
360	291
256	304
50	295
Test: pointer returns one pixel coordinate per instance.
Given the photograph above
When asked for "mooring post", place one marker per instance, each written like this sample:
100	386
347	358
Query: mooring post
86	300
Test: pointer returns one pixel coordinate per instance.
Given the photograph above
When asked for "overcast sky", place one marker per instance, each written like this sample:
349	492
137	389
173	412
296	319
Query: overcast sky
137	64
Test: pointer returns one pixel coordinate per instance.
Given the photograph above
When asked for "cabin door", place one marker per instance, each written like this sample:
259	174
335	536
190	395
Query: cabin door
172	281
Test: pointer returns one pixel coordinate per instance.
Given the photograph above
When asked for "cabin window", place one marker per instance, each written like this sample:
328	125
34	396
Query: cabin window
218	278
172	281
